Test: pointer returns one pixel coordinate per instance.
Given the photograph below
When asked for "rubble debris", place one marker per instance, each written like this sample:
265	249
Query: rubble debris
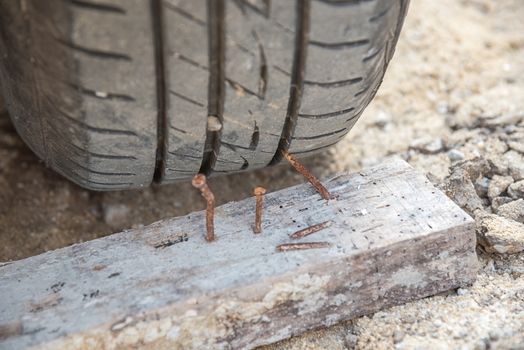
459	184
455	155
515	164
513	210
498	201
498	185
516	190
116	215
500	235
426	146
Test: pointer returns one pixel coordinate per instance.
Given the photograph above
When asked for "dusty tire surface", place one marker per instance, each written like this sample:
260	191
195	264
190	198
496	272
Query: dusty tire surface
116	94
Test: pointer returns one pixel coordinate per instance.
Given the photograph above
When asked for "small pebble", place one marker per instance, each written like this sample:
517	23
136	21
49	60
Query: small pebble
213	123
515	164
462	291
382	119
427	146
351	340
482	185
516	190
498	185
398	336
116	215
455	155
442	107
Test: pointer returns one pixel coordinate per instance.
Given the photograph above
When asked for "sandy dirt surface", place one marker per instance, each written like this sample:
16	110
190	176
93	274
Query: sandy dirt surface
454	92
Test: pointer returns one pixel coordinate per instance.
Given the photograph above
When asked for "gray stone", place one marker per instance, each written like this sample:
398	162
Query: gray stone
498	185
455	155
500	120
493	145
462	291
498	201
427	146
482	185
398	336
500	235
498	165
382	118
517	146
350	340
461	190
475	167
116	215
513	210
515	164
516	190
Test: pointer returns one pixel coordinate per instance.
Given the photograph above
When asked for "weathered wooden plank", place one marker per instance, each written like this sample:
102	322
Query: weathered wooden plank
394	238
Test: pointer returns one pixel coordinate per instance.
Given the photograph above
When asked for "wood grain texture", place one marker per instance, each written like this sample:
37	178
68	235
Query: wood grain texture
393	238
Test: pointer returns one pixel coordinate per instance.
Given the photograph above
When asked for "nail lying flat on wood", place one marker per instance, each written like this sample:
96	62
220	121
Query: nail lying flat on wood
309	230
302	246
199	181
259	192
312	179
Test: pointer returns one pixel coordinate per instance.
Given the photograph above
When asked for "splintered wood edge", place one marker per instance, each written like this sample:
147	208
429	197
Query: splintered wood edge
393	238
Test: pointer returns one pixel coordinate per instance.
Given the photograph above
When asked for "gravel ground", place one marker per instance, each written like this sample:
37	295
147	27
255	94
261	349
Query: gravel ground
452	105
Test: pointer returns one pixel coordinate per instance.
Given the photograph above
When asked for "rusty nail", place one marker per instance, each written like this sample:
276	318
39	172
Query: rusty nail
324	193
199	181
302	246
259	192
309	230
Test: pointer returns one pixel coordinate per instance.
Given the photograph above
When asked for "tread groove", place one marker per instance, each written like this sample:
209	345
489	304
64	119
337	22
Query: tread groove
340	45
103	95
95	129
327	84
242	4
334	84
217	79
263	71
343	2
319	148
179	130
98	172
191	62
237	86
255	137
161	88
97	6
315	137
297	78
372	55
99	155
86	180
95	52
381	14
234	147
184	155
185	14
185	98
326	115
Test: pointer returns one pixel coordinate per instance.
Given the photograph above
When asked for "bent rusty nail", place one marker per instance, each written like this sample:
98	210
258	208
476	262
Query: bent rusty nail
324	193
199	181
